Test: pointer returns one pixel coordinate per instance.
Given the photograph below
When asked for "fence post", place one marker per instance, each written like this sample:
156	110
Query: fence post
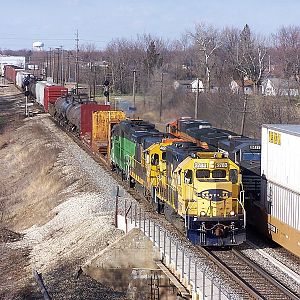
140	218
165	235
144	223
212	289
189	270
135	215
195	278
170	250
153	233
203	287
131	212
158	227
176	256
149	229
182	269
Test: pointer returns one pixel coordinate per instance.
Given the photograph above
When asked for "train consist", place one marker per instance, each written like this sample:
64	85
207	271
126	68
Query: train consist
208	177
202	188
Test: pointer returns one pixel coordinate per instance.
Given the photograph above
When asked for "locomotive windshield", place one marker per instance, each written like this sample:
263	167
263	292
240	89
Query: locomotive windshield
202	174
256	156
218	173
207	174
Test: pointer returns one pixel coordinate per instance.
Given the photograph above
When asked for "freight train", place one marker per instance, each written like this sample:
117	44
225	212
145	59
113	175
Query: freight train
201	187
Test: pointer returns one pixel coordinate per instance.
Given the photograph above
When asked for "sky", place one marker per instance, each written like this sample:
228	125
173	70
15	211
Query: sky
98	22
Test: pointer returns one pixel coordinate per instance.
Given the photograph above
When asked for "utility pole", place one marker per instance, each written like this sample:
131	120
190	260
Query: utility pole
161	96
49	61
53	63
52	60
244	115
58	66
197	100
68	66
94	85
62	66
133	90
26	101
77	65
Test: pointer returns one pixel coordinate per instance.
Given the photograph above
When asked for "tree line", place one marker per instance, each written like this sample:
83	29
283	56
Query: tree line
216	56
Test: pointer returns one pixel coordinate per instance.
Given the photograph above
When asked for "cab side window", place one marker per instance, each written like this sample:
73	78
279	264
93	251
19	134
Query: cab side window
154	159
188	176
233	176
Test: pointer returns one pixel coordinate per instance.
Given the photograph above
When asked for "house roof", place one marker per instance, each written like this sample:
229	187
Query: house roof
185	82
247	82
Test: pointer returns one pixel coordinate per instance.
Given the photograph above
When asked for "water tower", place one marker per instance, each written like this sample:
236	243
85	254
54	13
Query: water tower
38	46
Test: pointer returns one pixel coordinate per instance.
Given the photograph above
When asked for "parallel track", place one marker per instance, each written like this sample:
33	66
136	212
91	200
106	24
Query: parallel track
253	279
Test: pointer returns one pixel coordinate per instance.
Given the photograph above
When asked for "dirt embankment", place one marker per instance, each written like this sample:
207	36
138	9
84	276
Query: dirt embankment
53	216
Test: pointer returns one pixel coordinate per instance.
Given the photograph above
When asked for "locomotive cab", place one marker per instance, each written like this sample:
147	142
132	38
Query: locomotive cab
209	199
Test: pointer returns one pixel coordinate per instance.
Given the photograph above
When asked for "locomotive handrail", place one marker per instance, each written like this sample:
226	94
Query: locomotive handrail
242	195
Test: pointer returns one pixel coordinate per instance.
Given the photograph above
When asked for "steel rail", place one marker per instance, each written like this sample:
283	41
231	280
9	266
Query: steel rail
266	275
233	275
278	264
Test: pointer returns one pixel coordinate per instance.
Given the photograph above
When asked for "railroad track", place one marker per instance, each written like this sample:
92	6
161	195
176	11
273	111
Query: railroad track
256	282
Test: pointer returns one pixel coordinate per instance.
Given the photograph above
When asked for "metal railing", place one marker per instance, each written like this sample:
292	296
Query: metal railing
184	264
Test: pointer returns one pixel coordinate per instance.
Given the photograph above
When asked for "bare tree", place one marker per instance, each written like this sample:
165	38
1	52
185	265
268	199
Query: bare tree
207	41
287	46
251	57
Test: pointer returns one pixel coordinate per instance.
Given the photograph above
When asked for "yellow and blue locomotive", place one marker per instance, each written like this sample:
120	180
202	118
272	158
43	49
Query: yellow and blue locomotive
202	188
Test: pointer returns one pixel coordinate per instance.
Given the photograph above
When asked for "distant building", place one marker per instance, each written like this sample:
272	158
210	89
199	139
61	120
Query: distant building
279	87
18	61
188	85
196	85
236	87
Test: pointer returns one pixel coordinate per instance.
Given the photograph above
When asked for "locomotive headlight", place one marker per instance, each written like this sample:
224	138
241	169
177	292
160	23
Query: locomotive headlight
202	213
232	213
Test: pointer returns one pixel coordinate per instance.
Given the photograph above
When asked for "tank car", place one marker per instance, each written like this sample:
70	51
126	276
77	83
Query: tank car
75	114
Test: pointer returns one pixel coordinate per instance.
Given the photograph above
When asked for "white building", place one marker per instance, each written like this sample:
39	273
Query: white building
196	85
18	61
236	87
189	85
279	87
